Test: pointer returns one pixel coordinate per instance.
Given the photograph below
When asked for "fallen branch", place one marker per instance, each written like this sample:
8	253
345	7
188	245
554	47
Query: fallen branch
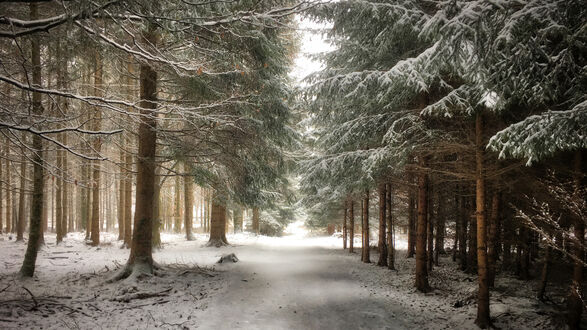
32	296
141	295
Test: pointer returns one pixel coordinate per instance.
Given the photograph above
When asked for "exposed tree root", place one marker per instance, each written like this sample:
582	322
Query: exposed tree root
217	242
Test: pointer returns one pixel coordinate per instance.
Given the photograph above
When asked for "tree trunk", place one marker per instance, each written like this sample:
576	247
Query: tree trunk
58	203
30	257
463	219
21	219
177	226
390	230
157	223
8	190
483	320
544	276
188	193
218	225
411	224
255	220
430	229
128	202
238	219
95	228
140	260
365	218
422	226
492	238
440	227
575	303
121	199
382	242
352	226
344	228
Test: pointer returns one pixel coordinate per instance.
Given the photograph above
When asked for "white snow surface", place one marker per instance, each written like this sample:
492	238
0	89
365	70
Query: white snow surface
290	282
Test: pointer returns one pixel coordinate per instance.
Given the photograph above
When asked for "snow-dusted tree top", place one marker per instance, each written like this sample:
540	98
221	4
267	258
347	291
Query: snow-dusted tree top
397	63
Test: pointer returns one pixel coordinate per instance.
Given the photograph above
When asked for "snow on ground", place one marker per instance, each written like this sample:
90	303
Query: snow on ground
289	282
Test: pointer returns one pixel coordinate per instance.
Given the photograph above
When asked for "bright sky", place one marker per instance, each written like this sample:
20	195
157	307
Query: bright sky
312	42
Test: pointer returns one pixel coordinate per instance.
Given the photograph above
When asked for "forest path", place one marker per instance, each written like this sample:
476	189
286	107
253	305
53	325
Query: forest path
296	286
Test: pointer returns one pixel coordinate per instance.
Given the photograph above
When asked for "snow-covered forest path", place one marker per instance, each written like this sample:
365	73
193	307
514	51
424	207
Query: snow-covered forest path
296	286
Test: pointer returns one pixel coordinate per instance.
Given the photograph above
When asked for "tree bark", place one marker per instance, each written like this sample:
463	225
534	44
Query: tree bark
238	219
95	228
188	193
344	228
422	225
218	225
463	232
177	215
128	202
544	276
382	242
8	190
390	230
365	218
21	219
483	320
411	224
30	257
352	226
121	189
492	238
255	220
430	228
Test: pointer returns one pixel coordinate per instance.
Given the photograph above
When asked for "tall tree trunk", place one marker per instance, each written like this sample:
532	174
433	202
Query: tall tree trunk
472	254
140	260
352	226
157	223
430	228
382	242
492	238
128	201
121	189
255	219
177	226
95	228
344	229
422	226
218	224
458	229
58	202
21	219
390	230
188	192
365	217
544	276
8	189
440	227
482	320
238	219
411	223
575	303
2	155
30	257
463	219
